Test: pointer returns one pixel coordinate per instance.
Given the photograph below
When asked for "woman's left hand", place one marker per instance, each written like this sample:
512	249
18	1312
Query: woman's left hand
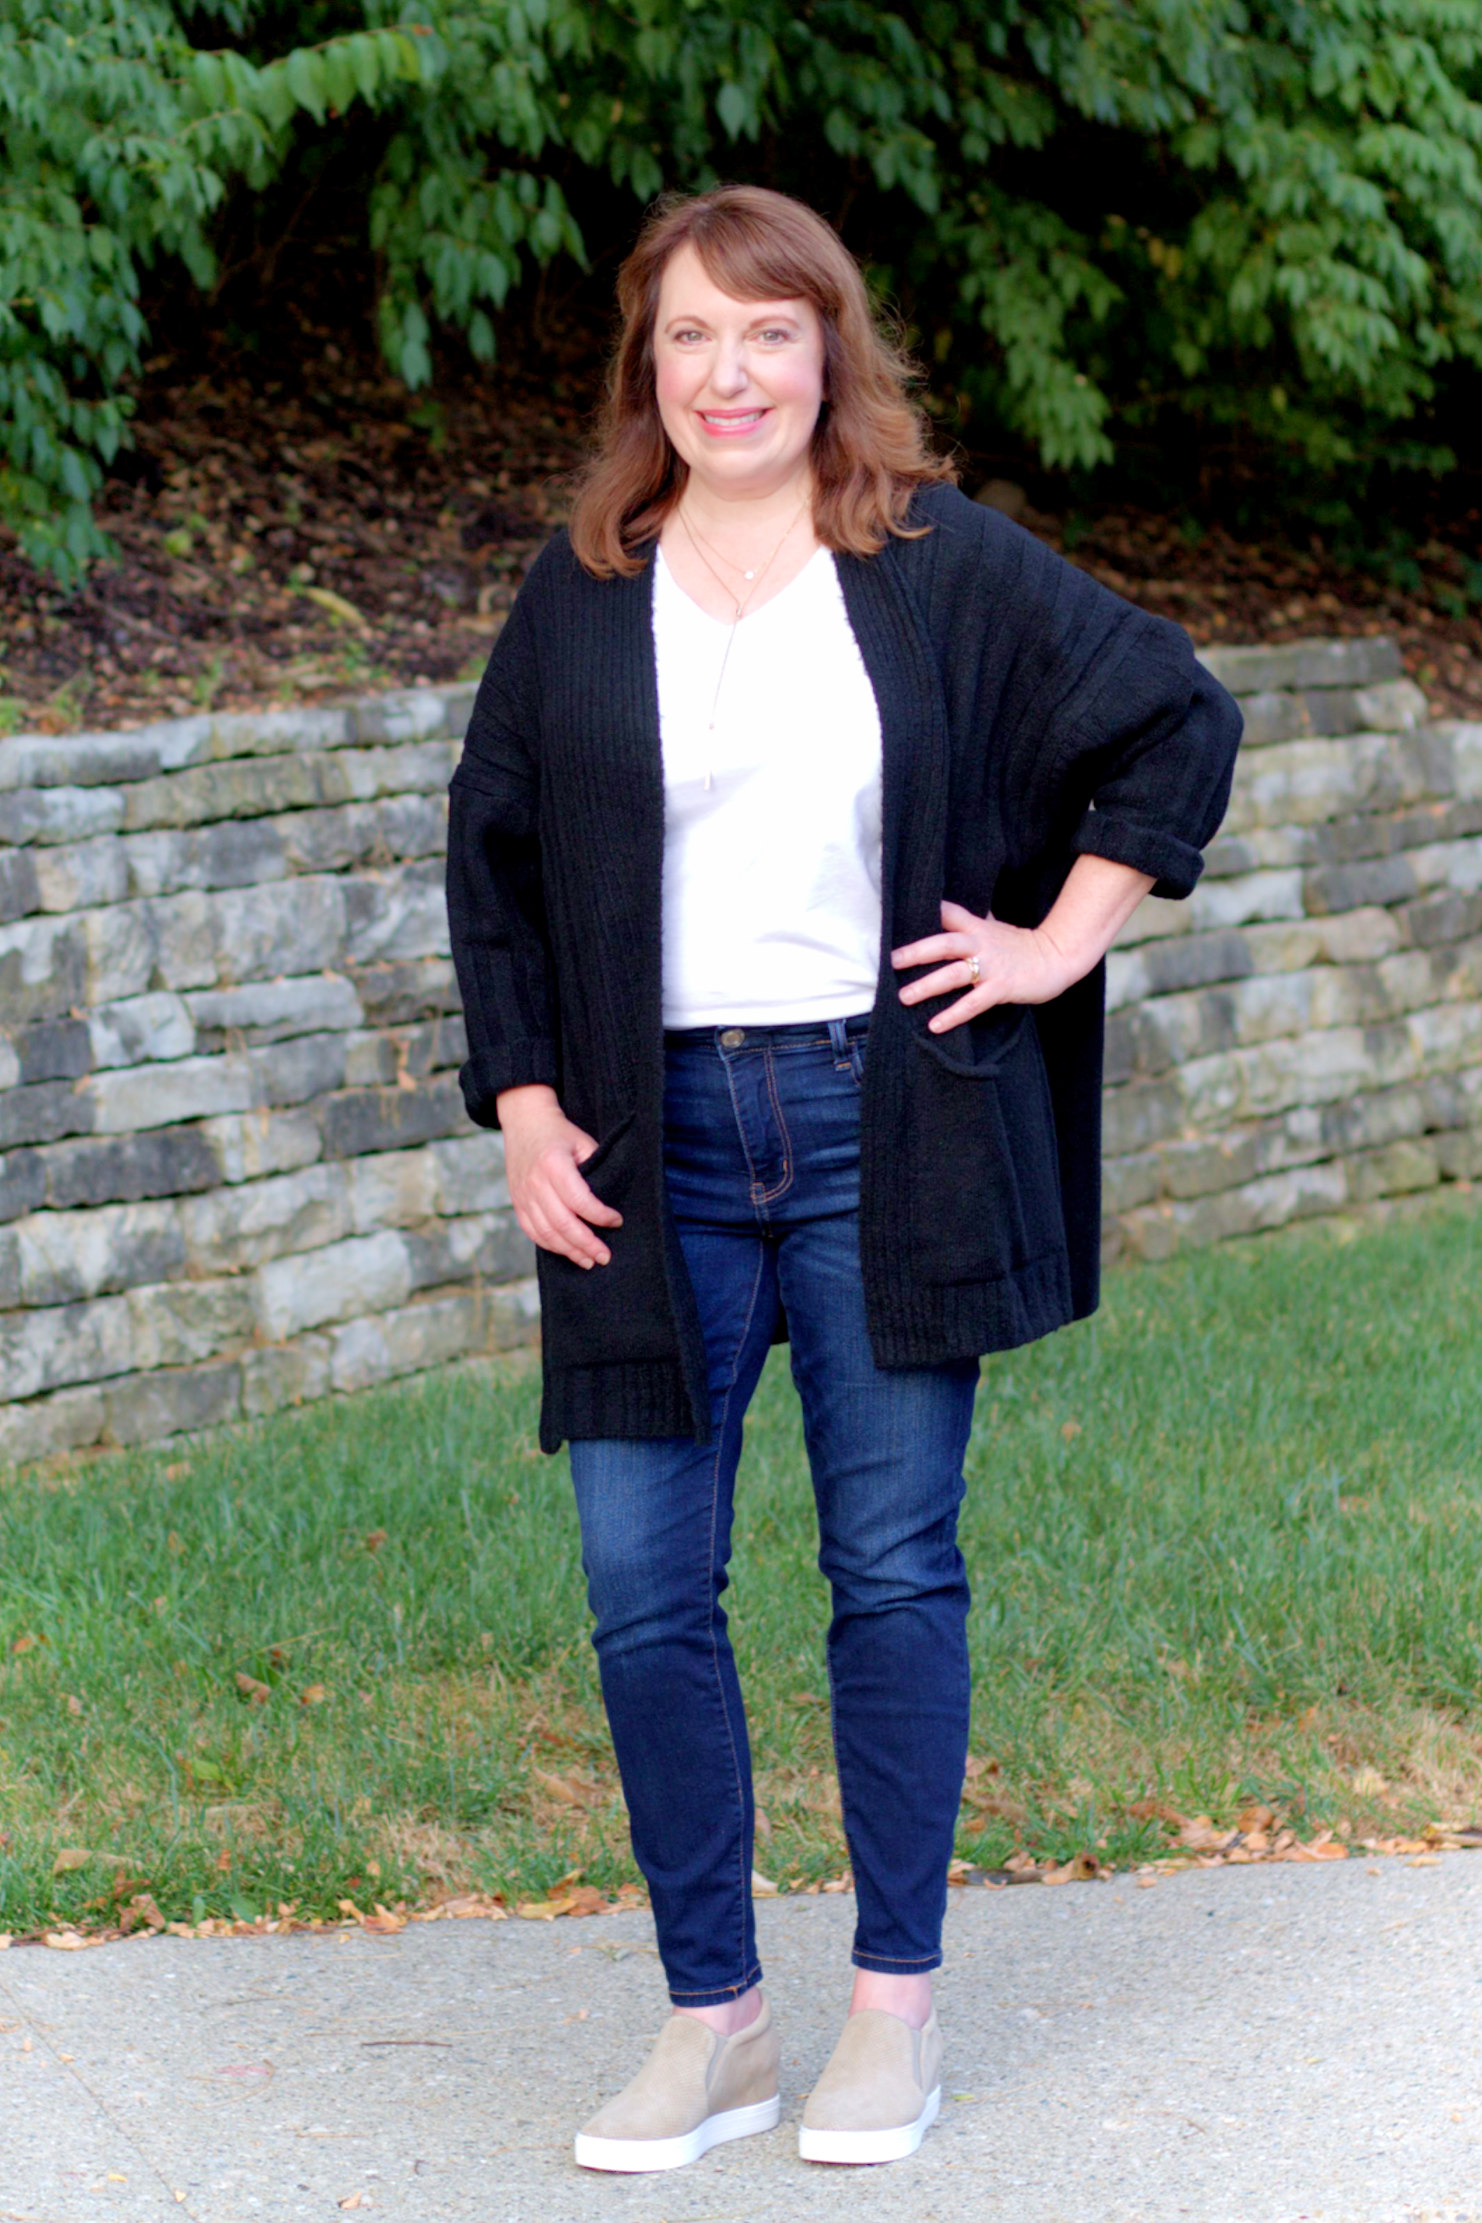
1015	964
1023	964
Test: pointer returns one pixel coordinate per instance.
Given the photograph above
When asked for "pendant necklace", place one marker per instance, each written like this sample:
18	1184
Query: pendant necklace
755	577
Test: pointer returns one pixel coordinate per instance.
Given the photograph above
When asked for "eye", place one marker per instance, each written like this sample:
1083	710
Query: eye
686	334
776	332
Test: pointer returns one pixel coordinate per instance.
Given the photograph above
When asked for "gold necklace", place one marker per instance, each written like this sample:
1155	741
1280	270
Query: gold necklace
756	578
697	536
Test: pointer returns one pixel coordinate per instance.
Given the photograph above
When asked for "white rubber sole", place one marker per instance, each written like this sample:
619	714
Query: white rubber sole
631	2155
864	2146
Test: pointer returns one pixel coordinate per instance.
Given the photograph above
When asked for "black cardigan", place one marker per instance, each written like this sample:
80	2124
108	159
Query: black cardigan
1027	715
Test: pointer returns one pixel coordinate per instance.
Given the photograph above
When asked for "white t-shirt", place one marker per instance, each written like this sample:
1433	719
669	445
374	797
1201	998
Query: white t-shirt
772	869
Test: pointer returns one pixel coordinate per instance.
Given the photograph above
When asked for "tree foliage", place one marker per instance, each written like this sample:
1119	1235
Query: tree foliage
1100	216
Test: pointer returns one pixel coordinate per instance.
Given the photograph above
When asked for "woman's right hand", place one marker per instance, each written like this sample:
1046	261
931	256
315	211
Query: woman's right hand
542	1151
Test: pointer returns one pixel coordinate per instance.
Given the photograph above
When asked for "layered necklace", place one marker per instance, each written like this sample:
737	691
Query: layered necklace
754	578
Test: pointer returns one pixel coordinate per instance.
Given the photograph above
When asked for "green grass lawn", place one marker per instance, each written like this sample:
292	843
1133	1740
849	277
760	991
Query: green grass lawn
1226	1544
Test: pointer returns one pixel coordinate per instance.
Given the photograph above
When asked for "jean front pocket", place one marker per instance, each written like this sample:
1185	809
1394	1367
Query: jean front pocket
985	1174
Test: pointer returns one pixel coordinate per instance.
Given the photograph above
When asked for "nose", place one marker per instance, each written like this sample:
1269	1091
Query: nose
729	375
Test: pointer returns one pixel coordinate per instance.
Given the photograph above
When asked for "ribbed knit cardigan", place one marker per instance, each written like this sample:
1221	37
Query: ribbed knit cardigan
1028	716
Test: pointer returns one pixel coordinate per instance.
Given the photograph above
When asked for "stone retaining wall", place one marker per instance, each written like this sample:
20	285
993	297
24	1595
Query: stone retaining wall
1305	1033
235	1171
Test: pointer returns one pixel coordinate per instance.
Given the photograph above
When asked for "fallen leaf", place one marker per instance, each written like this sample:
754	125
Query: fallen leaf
762	1886
839	1883
565	1789
336	606
763	1824
537	1910
177	1472
255	1692
1323	1847
1082	1867
314	1695
1200	1835
24	1644
356	2200
1250	1819
384	1921
376	1539
586	1899
1424	1860
64	1941
70	1857
1070	1430
141	1908
74	1705
5	1936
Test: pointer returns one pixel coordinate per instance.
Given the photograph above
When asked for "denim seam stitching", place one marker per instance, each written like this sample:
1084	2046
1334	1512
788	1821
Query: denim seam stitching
770	1196
753	1976
752	1183
725	1411
904	1960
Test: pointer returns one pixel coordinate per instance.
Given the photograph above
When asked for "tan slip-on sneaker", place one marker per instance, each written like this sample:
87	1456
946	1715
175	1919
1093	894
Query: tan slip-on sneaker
695	2090
880	2093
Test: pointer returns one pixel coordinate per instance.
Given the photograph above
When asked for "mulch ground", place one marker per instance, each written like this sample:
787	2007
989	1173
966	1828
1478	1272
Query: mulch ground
294	542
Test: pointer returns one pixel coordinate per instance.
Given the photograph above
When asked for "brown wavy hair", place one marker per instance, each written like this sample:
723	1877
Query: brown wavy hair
870	445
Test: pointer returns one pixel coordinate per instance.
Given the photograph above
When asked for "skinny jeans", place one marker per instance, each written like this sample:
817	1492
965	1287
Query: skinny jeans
761	1153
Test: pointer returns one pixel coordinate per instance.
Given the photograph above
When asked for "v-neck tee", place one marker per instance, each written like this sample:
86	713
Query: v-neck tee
771	749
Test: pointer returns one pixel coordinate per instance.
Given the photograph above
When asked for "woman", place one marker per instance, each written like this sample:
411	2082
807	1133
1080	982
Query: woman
800	803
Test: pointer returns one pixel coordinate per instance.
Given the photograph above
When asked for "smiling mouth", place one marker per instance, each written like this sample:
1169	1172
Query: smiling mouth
732	420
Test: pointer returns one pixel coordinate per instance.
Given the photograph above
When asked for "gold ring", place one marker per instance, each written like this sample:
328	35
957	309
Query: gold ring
973	968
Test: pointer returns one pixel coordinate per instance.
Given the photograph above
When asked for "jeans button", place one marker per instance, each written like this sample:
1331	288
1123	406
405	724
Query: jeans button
733	1038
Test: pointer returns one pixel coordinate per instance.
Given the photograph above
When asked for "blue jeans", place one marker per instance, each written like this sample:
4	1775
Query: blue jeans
761	1146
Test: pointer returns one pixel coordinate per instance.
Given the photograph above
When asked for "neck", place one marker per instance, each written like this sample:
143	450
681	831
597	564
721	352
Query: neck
724	513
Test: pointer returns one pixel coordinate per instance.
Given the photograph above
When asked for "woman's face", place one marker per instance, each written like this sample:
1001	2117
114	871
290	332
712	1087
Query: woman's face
740	383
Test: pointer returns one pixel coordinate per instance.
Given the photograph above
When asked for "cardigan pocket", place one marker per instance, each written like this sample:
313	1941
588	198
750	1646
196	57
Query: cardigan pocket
620	1312
985	1173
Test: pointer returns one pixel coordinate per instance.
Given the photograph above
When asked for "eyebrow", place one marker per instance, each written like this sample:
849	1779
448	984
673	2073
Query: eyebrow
764	315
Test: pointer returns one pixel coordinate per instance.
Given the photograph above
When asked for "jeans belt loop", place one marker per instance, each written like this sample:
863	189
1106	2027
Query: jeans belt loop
839	1036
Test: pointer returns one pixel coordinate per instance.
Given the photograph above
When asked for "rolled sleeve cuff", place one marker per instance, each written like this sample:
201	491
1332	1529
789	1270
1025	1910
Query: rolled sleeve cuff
1174	864
513	1065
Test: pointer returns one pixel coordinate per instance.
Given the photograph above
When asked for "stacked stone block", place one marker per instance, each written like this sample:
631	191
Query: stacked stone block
235	1169
1305	1034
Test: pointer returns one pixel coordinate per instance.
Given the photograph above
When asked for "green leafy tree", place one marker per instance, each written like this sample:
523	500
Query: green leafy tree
1258	218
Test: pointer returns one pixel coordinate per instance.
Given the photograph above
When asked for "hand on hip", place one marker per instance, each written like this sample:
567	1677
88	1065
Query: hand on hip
993	963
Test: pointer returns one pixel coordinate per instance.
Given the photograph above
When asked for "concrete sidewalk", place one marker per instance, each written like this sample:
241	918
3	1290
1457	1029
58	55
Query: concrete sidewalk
1238	2046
